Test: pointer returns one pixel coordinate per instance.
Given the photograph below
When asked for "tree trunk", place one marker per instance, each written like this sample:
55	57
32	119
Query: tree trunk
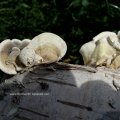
61	92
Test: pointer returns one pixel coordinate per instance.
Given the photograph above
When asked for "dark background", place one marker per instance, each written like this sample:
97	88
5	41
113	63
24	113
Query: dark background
76	21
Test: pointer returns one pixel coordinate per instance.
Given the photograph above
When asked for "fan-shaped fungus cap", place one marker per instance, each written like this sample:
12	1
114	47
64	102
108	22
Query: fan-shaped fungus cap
16	42
103	54
47	45
103	35
8	54
24	43
27	56
86	51
114	41
49	38
20	44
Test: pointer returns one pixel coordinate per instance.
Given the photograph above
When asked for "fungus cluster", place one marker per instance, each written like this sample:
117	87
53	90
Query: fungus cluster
44	48
104	49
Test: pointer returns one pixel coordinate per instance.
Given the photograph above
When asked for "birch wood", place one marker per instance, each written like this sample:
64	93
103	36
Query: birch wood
67	92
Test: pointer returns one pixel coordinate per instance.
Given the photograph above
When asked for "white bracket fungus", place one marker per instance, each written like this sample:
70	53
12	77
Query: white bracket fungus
114	41
20	44
12	58
102	50
8	57
104	34
44	48
115	63
9	52
29	57
103	53
86	51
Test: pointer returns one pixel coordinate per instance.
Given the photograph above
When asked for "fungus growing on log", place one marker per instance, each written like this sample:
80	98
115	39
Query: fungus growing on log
20	44
104	34
9	52
86	51
8	55
44	48
102	50
103	53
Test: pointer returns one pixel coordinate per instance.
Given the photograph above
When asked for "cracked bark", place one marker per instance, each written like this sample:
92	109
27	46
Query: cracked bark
64	92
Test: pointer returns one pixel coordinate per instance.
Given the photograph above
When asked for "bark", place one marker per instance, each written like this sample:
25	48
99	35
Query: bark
61	92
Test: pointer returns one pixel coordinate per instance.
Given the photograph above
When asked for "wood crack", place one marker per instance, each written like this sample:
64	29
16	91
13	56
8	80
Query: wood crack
75	105
21	117
65	66
37	113
57	82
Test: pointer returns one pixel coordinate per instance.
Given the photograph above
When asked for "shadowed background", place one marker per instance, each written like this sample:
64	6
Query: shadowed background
76	21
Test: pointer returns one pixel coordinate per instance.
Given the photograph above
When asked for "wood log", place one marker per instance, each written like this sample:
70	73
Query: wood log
61	91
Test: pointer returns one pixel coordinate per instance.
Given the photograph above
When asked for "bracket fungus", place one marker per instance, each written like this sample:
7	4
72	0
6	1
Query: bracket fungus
103	54
8	54
115	63
28	57
86	51
102	50
114	41
104	34
16	42
20	44
15	51
24	43
45	48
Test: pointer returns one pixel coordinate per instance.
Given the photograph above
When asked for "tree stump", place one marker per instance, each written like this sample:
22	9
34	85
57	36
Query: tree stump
61	91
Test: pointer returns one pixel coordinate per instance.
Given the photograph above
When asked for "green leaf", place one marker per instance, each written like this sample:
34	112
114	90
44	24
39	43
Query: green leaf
25	5
85	3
